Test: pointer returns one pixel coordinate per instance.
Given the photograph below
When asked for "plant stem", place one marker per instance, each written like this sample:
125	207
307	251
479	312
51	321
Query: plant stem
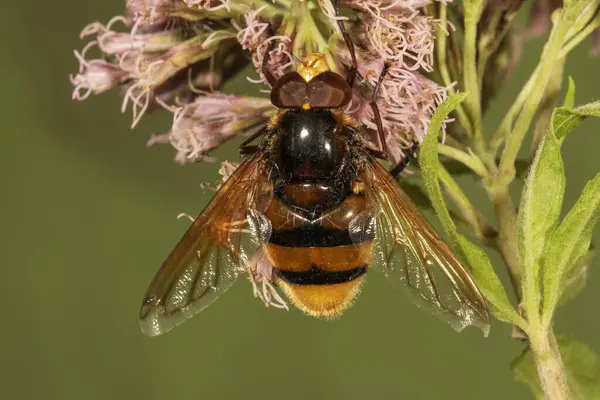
547	106
549	364
544	73
505	127
506	242
581	36
442	61
476	221
469	160
473	10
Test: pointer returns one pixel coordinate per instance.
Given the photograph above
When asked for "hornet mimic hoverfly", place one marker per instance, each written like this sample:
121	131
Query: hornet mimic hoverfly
313	197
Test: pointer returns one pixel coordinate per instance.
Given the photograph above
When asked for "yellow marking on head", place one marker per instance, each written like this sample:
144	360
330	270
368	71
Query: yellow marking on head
327	301
312	66
306	106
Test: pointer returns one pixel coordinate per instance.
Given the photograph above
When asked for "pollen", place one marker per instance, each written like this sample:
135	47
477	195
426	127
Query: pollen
358	187
312	66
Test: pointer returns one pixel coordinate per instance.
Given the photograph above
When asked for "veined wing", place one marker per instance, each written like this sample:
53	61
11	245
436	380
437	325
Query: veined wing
213	251
409	250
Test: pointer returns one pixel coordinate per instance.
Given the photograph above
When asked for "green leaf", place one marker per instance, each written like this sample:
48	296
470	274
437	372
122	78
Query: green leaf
480	265
575	282
429	162
484	275
582	368
577	13
525	371
569	244
539	212
570	96
565	119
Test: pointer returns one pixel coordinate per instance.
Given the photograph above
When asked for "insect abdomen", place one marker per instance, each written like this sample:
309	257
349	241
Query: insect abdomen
319	266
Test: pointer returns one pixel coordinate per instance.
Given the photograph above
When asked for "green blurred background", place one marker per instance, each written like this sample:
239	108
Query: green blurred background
88	215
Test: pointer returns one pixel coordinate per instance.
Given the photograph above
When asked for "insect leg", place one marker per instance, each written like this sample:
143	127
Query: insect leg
349	44
246	149
410	154
377	116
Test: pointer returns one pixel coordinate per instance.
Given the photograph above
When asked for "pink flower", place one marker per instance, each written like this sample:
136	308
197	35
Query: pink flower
95	76
398	34
253	35
213	119
156	62
406	101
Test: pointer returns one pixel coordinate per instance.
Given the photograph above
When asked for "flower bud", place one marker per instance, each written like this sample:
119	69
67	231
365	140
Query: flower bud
95	76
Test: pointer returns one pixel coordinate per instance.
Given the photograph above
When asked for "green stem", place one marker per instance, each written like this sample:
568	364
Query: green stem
549	364
469	160
308	32
505	126
542	77
442	66
473	10
581	35
477	222
506	242
547	106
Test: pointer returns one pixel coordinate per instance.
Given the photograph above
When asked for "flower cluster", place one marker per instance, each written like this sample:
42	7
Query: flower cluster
177	54
397	34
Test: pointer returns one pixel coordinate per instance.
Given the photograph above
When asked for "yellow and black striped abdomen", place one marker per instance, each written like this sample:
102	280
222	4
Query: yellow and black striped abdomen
319	266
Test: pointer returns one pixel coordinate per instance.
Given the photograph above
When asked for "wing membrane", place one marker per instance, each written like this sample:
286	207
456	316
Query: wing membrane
411	252
213	251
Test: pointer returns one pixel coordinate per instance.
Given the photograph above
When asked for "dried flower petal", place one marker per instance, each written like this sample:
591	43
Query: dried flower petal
210	5
540	19
595	50
262	277
228	168
387	5
151	11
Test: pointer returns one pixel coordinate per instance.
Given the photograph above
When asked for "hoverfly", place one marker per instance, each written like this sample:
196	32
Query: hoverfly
313	197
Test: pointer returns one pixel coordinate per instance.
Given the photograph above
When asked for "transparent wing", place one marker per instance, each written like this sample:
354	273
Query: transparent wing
213	251
409	251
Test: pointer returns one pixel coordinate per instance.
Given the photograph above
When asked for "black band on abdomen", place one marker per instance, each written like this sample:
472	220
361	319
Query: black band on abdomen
311	237
317	276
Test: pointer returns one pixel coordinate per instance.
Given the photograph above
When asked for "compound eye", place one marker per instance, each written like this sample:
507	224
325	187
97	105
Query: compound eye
289	91
328	90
